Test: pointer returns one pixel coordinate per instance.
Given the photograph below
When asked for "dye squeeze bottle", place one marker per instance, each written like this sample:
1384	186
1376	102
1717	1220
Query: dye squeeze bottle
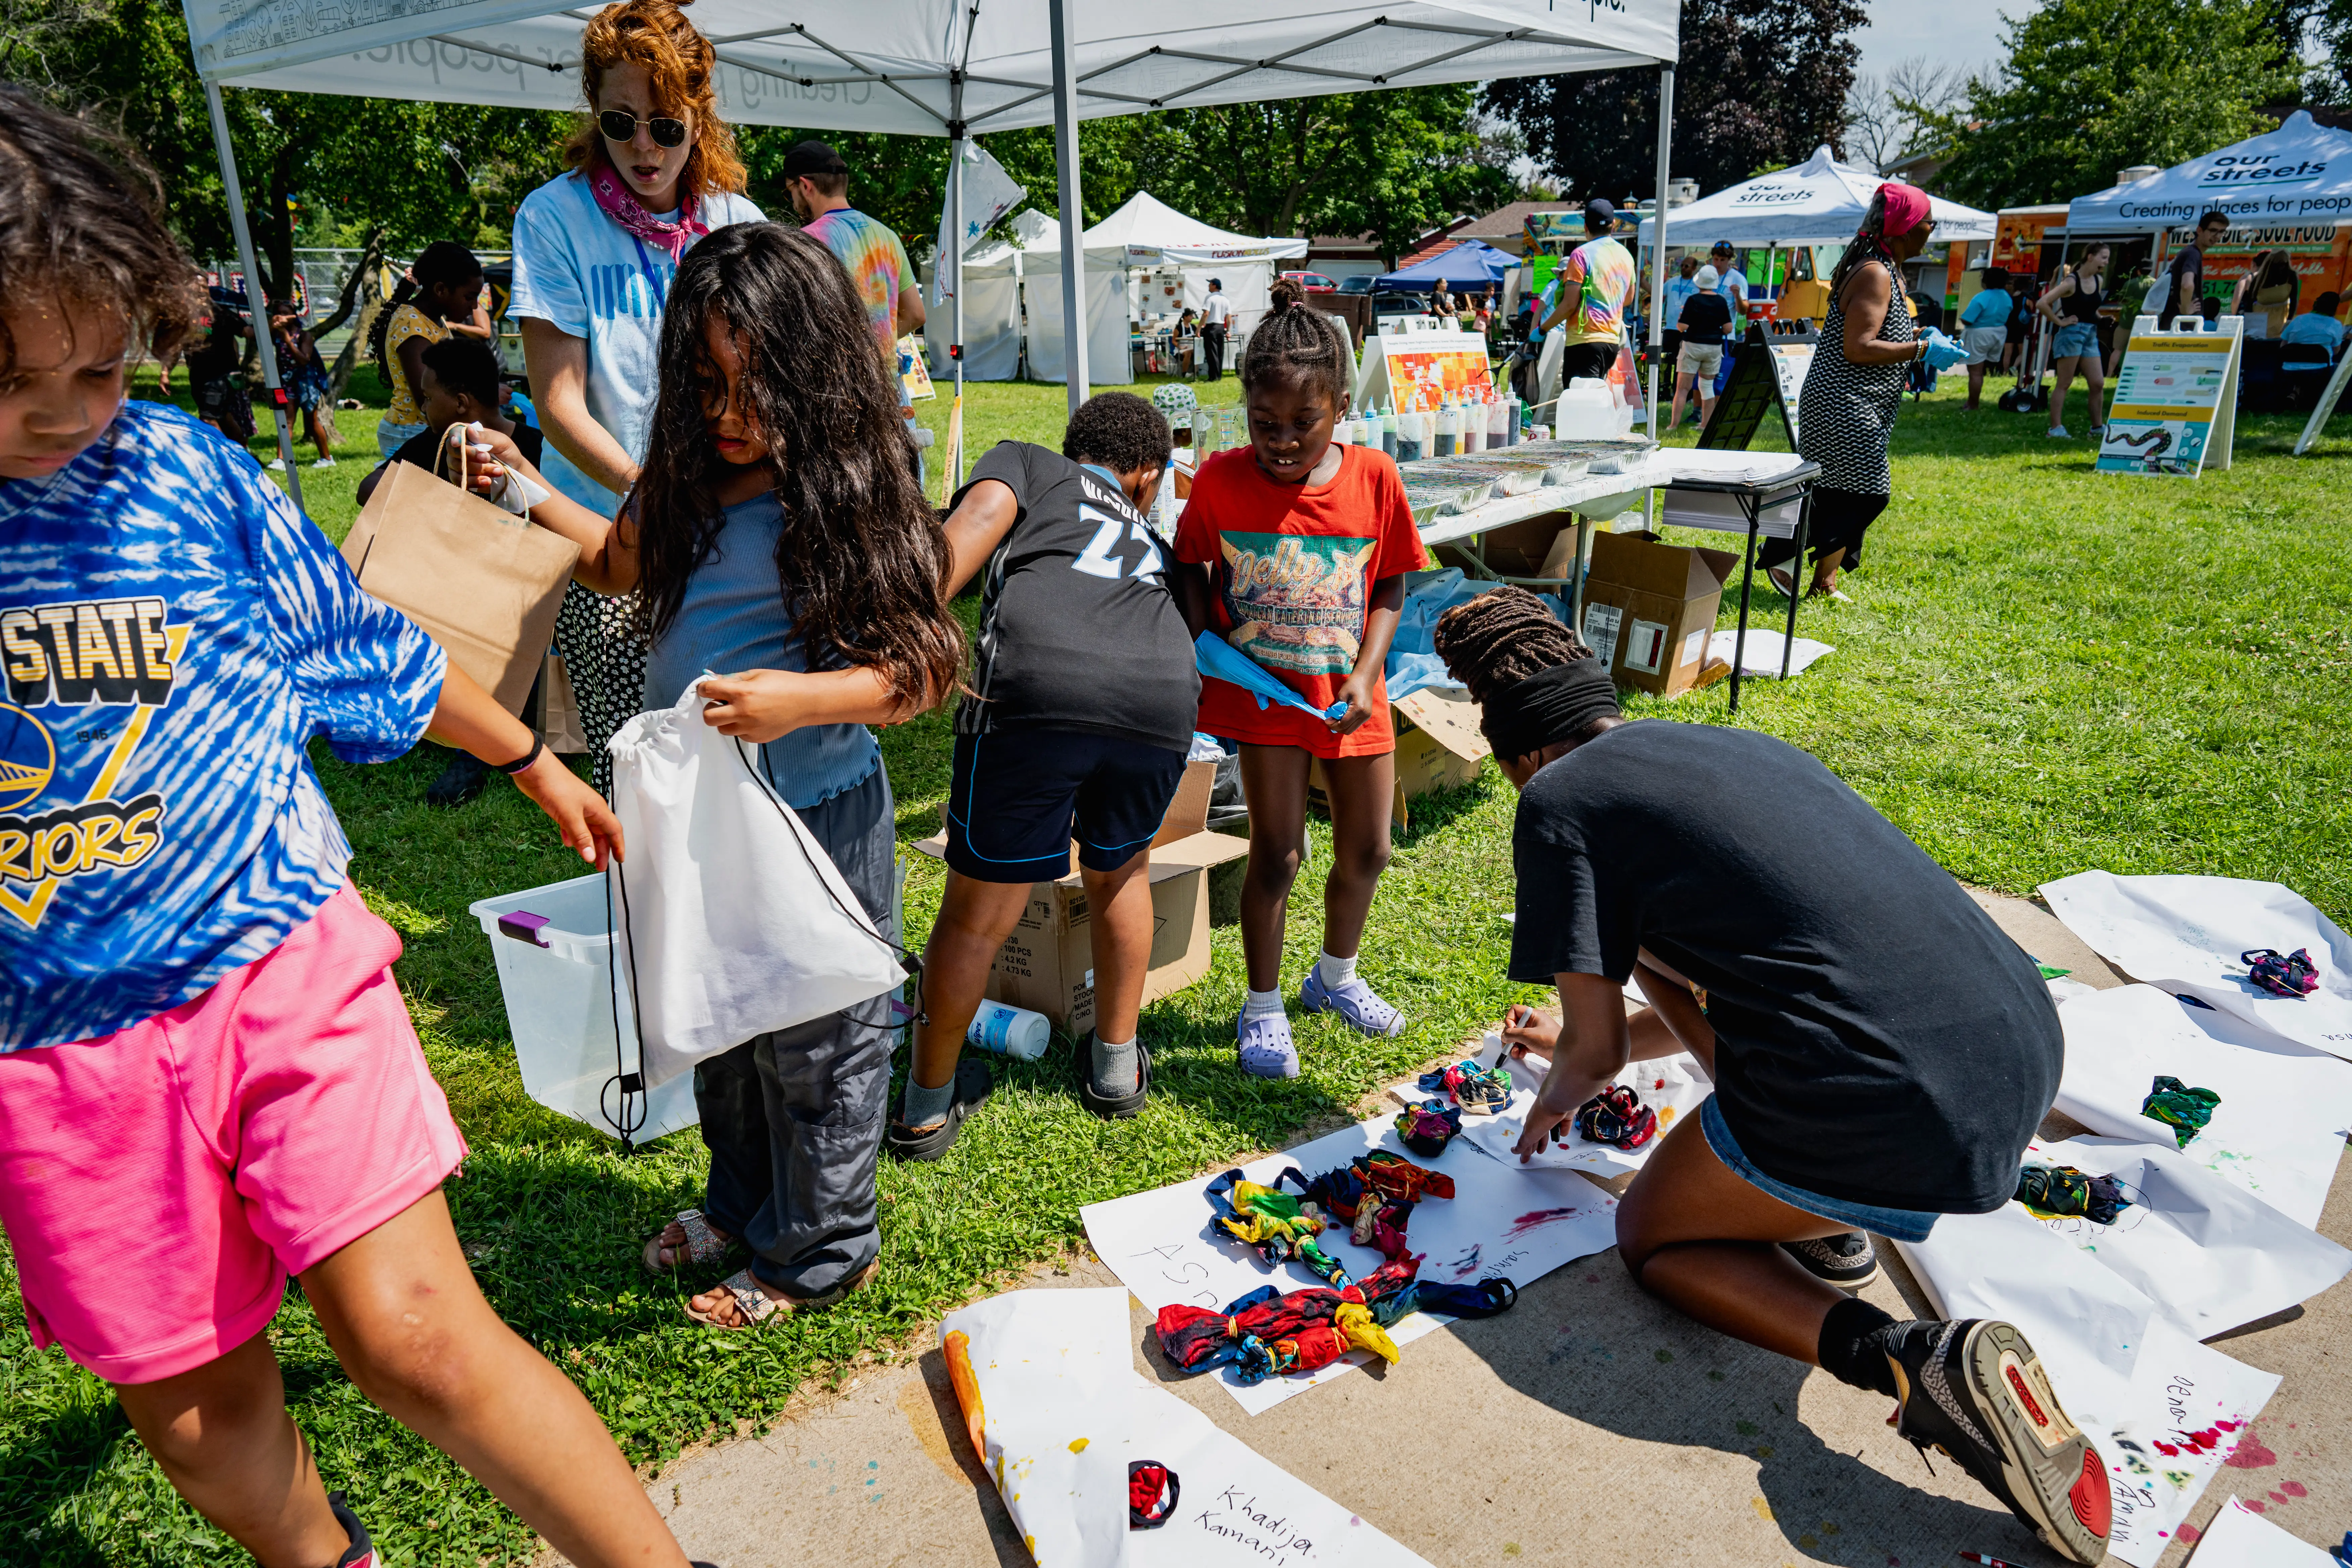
1474	426
1389	433
1408	437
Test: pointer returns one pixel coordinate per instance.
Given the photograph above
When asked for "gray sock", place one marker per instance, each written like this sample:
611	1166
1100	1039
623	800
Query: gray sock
1116	1069
925	1106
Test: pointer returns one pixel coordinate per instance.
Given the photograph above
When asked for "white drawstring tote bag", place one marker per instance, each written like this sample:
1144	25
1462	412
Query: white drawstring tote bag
733	921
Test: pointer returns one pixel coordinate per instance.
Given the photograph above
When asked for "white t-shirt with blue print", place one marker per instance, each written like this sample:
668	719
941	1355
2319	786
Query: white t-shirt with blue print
173	634
593	278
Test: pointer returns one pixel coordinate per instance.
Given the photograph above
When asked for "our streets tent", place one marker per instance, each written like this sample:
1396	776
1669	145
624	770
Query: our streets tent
1471	264
1819	201
934	67
2299	175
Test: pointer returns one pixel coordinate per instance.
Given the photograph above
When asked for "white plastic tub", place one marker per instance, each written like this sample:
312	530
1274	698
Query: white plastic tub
561	996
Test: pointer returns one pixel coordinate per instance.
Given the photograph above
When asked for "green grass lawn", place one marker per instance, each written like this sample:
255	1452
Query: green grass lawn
2044	670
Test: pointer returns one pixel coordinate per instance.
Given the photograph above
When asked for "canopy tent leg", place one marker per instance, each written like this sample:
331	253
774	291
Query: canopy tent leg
1658	242
1066	159
953	261
254	301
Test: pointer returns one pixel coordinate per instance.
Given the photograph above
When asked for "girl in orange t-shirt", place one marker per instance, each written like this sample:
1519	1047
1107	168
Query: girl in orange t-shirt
1295	552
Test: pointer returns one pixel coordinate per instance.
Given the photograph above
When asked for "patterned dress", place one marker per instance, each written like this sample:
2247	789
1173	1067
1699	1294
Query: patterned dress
605	659
1846	413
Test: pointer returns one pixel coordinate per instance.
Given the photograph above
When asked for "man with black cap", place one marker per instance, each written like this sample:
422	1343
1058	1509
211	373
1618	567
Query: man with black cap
1881	1051
818	181
1596	286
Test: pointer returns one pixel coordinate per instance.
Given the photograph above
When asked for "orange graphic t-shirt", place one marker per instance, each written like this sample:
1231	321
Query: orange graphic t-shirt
1292	569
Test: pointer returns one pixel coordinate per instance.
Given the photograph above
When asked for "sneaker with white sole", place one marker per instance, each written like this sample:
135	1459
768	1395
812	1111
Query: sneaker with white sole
1976	1390
324	463
1358	1004
1848	1261
2060	433
1265	1046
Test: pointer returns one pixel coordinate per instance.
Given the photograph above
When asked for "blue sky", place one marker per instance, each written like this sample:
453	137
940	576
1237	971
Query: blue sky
1965	32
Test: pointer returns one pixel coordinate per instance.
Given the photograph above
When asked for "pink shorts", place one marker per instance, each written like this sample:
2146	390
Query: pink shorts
159	1183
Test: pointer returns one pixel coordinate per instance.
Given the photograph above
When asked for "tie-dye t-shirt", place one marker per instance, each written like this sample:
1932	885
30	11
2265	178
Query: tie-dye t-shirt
1292	568
1603	270
878	269
174	636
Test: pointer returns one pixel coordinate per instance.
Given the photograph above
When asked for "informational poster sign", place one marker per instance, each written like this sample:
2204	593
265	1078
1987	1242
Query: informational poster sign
2176	402
1423	370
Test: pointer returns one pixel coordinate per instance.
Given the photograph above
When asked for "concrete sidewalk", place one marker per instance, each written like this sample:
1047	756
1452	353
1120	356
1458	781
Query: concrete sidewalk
1589	1425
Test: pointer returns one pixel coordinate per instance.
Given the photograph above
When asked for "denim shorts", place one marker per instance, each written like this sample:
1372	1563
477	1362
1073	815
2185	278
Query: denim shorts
2075	340
1895	1225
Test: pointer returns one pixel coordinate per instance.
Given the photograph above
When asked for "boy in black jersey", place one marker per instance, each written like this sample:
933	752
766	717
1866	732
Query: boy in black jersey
1078	725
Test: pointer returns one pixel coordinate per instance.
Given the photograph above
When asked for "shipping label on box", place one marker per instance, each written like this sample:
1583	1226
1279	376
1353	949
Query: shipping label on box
1601	622
1646	647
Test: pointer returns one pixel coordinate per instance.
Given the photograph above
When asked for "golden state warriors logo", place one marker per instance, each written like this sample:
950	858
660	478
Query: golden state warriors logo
28	758
63	819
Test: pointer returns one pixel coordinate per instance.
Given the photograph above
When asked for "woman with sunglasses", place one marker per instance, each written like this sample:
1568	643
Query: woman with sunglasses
652	170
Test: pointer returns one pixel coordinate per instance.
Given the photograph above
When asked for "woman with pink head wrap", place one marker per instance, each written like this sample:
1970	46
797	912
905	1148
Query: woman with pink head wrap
1846	413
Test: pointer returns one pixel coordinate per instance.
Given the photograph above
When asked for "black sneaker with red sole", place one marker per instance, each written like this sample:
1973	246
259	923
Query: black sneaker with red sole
1976	1390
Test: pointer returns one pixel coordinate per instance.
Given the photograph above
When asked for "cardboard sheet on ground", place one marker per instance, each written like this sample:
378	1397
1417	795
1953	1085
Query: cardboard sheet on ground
1499	1222
2240	1537
1675	1086
2162	1409
1047	1384
2280	1128
2185	934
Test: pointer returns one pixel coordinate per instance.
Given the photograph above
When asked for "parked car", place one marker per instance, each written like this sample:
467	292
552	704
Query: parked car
1313	283
1395	302
1361	283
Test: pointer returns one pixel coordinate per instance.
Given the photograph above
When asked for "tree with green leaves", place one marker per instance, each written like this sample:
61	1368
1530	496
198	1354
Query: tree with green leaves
2094	86
1760	84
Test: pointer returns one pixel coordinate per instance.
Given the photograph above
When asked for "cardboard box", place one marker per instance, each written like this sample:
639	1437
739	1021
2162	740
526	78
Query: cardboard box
1047	963
1650	607
1541	547
1438	746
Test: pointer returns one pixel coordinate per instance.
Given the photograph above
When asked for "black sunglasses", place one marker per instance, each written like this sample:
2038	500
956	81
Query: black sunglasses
620	125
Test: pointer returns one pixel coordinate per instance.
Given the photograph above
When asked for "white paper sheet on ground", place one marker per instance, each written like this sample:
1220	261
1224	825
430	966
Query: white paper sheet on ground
1056	1377
1498	1222
2211	1256
1235	1507
2240	1537
2185	934
1675	1086
2161	1409
1762	655
2280	1128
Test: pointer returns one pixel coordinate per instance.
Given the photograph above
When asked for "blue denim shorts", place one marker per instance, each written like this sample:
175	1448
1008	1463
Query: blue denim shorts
1895	1225
2075	340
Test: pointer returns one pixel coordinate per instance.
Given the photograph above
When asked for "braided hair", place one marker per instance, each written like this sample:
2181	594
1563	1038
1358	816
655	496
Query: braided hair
1869	244
1299	347
1500	638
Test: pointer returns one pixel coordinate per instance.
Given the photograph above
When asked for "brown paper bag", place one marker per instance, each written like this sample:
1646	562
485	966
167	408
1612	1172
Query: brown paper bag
558	710
481	582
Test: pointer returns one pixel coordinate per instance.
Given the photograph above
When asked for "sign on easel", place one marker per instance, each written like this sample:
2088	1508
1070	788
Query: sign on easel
1421	370
1767	373
2176	404
2327	409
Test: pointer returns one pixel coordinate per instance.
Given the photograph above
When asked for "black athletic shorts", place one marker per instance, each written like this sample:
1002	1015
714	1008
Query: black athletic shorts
1020	796
1591	361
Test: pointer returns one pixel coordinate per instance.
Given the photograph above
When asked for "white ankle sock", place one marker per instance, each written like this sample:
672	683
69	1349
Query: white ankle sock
1335	972
1263	1004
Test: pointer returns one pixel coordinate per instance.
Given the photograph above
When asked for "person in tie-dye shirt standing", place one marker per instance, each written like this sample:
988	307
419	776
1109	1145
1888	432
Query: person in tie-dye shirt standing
818	179
1596	283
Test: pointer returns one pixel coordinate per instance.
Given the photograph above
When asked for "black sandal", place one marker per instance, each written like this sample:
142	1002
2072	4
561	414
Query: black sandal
1115	1107
974	1084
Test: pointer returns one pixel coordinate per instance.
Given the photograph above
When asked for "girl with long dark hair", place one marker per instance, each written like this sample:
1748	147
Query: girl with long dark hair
441	294
777	535
1846	413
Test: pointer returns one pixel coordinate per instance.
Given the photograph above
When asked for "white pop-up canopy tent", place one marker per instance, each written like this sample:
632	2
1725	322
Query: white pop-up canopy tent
940	67
2300	174
1819	201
